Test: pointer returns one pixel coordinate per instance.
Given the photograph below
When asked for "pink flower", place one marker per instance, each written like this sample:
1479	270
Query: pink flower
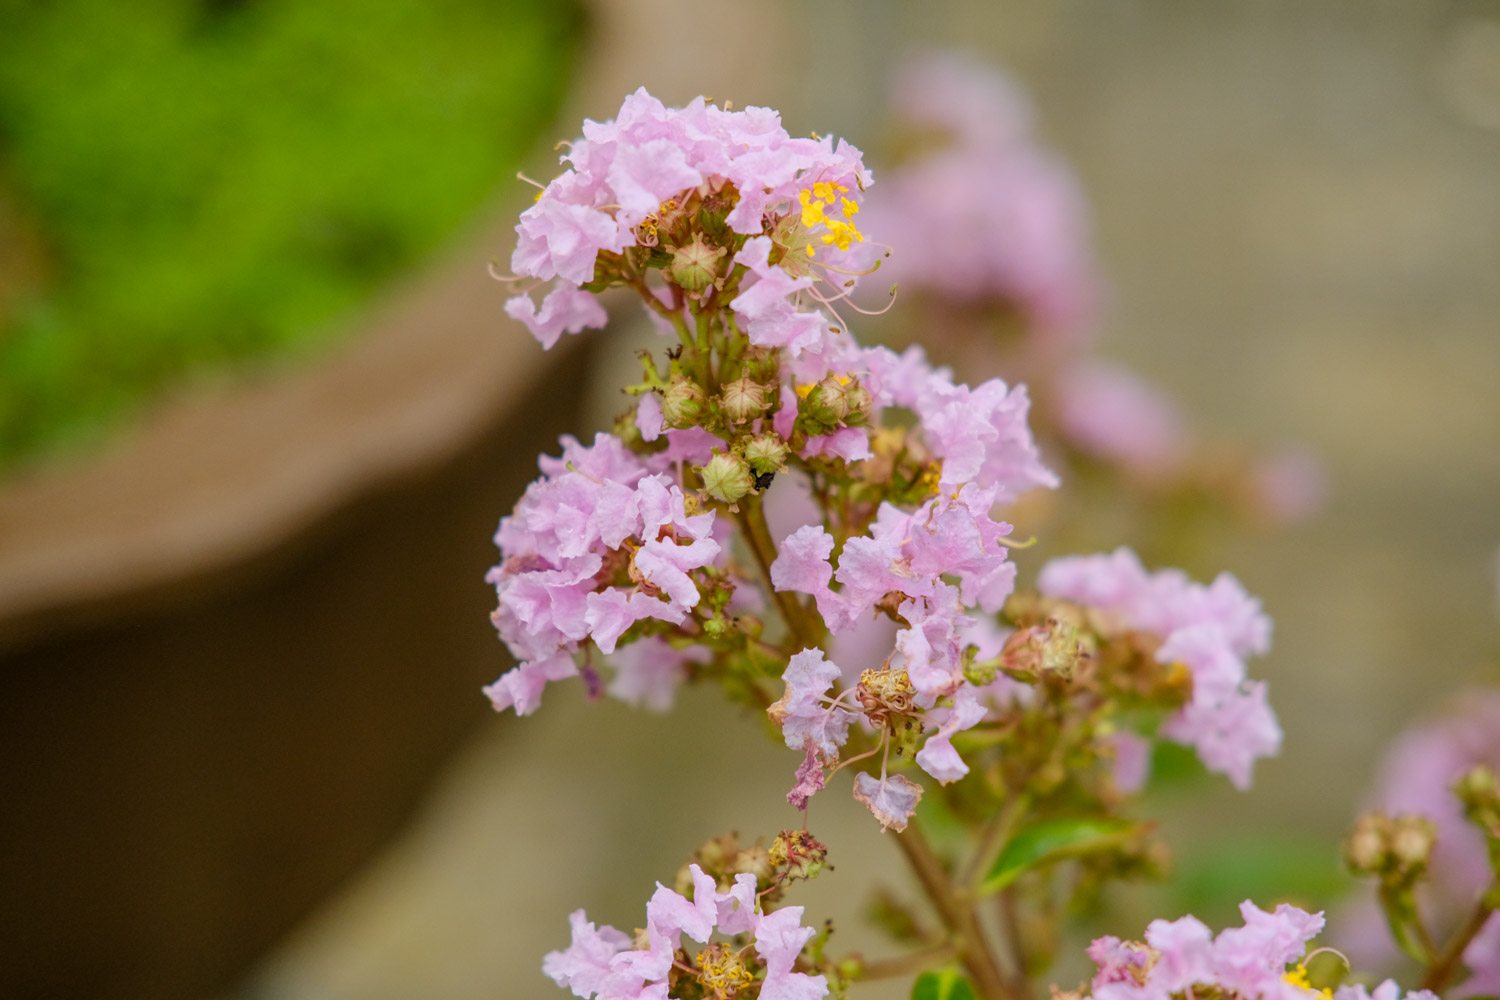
1250	961
1387	990
801	713
521	687
584	966
587	506
779	939
892	799
601	962
809	778
562	240
937	756
771	318
625	169
981	434
1113	414
566	309
1207	629
932	647
648	672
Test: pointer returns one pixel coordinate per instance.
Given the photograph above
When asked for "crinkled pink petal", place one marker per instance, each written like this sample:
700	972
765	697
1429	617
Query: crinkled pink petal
612	611
563	240
736	908
1204	649
937	756
648	418
800	713
1112	582
779	939
566	309
583	966
649	672
802	565
1118	961
645	175
1186	947
1229	735
892	801
521	687
674	915
809	778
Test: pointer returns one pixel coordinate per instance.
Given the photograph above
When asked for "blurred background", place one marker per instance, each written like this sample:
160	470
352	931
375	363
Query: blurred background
260	411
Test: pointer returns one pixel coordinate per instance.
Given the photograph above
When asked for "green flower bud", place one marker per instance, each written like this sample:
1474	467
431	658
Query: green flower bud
761	364
683	404
766	454
695	266
727	477
825	406
861	405
743	400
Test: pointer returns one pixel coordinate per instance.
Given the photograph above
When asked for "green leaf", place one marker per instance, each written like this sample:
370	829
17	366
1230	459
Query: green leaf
1053	840
945	985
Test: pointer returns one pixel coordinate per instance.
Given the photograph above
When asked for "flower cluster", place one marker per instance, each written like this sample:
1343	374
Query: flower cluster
1184	958
679	190
823	529
1210	630
607	963
596	545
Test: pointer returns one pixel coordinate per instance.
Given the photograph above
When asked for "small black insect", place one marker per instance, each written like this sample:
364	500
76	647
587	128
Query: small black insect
674	352
763	480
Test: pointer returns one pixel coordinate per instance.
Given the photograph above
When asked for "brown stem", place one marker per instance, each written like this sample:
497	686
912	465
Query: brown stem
1442	970
757	536
1010	920
956	914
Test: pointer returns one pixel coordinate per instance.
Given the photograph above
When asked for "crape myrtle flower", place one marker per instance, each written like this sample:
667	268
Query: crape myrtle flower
692	184
595	545
1184	958
1210	630
608	964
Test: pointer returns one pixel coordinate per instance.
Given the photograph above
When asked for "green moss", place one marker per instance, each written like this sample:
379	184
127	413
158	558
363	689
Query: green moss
208	182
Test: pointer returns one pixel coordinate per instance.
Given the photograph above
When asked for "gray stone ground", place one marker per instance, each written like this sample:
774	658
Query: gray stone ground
1298	206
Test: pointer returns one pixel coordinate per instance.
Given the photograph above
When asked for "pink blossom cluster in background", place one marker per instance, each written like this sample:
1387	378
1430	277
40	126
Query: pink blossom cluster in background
1209	629
985	214
1417	776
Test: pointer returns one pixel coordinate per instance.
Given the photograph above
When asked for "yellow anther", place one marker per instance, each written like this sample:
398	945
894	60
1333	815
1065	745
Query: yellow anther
722	972
1298	977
